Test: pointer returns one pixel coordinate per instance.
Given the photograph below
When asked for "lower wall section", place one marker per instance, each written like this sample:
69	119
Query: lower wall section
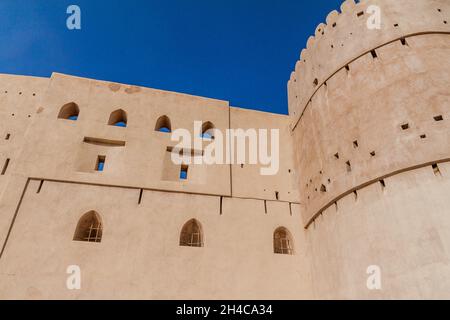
403	228
139	256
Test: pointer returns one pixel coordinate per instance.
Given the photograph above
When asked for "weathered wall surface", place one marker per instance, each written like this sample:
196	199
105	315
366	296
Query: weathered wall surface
371	138
363	177
140	257
404	229
52	183
380	117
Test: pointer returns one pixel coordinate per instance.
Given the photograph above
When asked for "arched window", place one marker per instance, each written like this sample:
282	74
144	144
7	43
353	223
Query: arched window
118	118
69	111
208	130
89	228
191	234
282	242
163	125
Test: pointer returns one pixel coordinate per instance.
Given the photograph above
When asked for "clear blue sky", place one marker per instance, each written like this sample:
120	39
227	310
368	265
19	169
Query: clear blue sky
242	51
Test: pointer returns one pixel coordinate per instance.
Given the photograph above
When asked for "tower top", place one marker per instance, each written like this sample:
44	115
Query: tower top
354	32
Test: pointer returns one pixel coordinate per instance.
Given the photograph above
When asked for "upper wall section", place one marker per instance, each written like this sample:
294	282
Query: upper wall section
345	37
136	155
247	180
383	116
19	97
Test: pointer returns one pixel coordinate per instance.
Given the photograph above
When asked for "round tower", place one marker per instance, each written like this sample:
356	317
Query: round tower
369	102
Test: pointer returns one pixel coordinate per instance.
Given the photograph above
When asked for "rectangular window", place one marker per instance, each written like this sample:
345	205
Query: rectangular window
100	166
184	172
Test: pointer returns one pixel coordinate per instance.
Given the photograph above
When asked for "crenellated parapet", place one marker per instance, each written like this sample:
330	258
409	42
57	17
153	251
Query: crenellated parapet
345	37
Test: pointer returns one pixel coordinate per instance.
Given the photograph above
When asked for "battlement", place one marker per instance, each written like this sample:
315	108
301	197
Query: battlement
345	37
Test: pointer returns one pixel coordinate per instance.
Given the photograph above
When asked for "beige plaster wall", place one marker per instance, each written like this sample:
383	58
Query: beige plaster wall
403	229
140	257
380	114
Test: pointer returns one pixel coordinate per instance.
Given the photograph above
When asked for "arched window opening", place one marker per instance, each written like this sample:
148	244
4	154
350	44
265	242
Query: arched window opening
118	119
69	111
208	130
191	234
89	228
282	242
163	125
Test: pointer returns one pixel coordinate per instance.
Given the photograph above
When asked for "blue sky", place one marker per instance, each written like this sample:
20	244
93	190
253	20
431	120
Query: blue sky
241	51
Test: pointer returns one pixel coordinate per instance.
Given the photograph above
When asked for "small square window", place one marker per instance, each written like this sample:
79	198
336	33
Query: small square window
100	166
405	126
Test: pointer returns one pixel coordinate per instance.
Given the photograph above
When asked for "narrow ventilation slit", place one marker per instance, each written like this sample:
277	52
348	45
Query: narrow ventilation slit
403	41
336	206
355	193
349	166
290	208
347	67
265	206
383	184
438	118
221	205
374	54
5	166
277	195
436	170
40	186
141	192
